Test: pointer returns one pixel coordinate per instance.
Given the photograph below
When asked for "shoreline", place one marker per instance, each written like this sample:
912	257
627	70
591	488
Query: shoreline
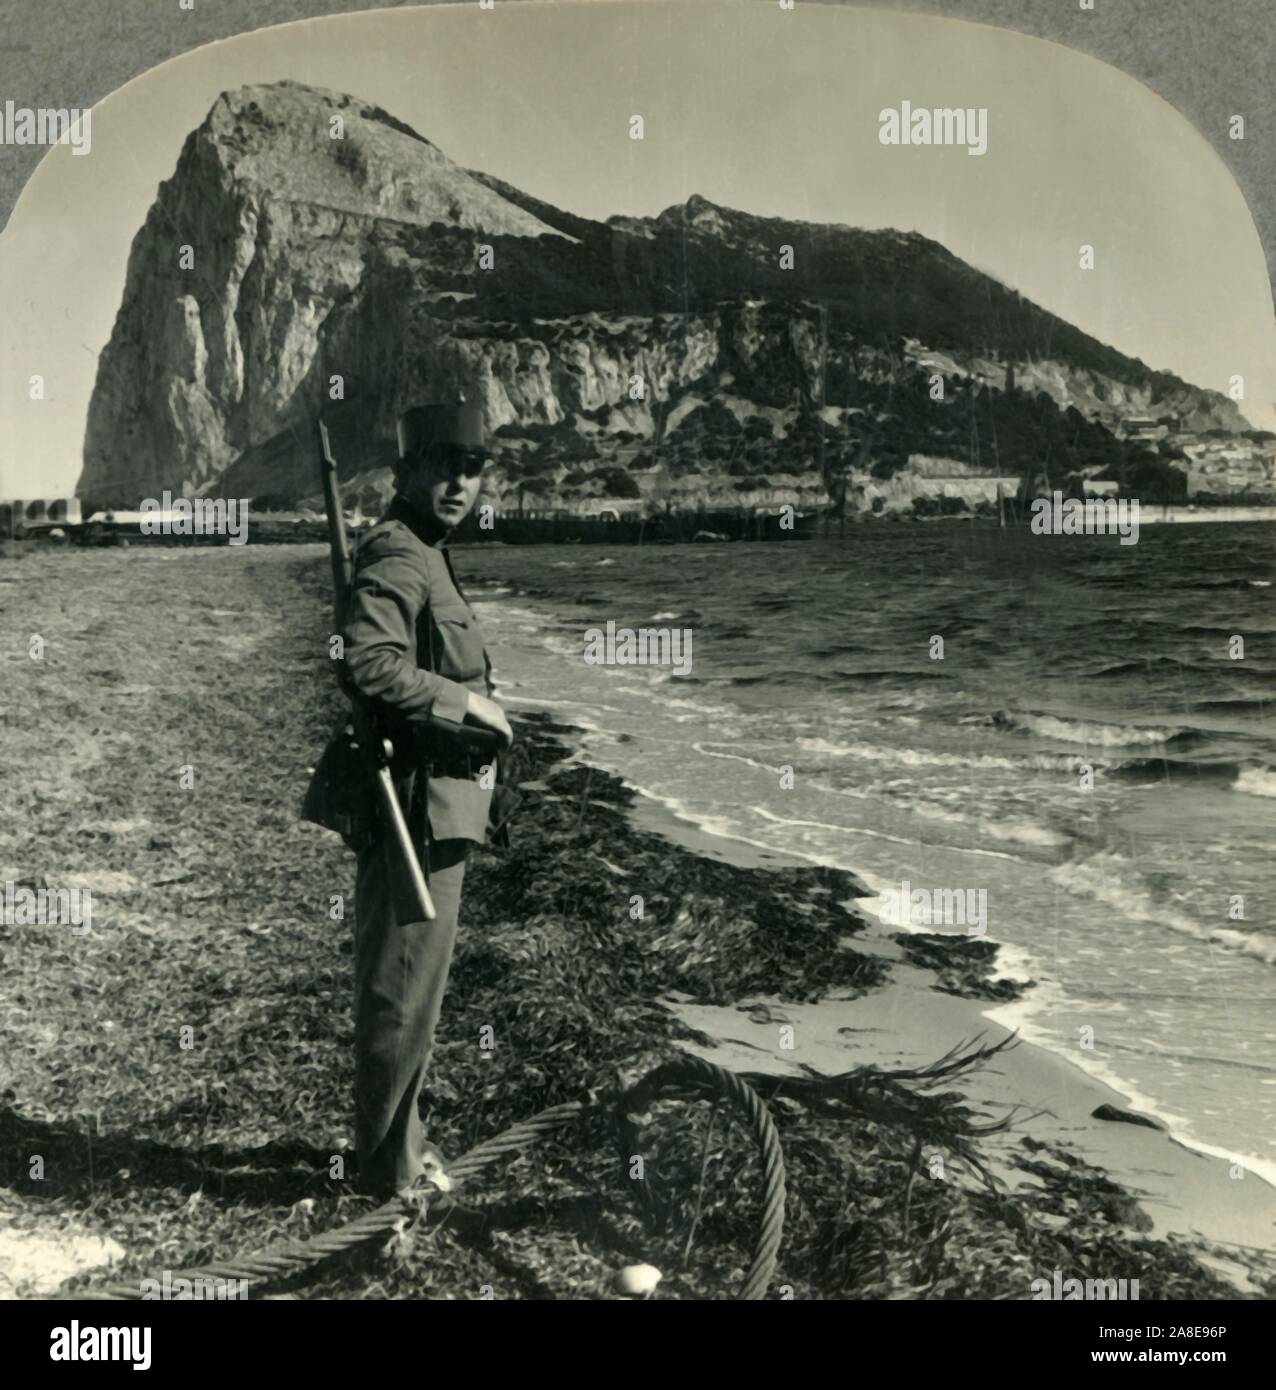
235	1151
1183	1187
297	528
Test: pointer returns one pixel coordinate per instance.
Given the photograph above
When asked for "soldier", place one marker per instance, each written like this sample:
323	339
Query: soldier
416	663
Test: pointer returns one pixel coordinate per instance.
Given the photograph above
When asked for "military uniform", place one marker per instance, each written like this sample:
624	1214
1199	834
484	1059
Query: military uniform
412	650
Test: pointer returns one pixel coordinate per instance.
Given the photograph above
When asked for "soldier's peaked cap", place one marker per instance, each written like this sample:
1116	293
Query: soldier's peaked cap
427	427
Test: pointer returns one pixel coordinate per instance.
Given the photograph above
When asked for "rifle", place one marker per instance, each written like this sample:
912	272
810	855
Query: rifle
381	748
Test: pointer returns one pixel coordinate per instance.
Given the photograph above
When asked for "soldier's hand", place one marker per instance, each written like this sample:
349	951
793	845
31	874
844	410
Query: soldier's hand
490	715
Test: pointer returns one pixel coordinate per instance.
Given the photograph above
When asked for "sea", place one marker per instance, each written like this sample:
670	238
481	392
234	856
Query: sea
1092	744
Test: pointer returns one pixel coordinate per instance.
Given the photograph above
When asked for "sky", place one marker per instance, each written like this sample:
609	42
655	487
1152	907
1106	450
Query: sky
769	110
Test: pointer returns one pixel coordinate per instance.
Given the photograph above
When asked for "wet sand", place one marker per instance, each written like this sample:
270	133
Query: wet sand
909	1023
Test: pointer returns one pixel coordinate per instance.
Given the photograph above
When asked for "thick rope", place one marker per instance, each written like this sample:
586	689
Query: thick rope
688	1075
511	1140
695	1077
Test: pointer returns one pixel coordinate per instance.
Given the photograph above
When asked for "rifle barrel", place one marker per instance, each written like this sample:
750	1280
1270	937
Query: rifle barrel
339	544
341	578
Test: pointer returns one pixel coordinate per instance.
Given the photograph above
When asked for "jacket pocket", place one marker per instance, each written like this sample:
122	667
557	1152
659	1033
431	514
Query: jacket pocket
462	656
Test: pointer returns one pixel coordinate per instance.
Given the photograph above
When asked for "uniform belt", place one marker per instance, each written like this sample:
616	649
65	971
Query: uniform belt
454	765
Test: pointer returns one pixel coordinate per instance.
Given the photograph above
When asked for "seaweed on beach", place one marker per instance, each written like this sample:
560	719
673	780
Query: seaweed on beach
219	920
963	965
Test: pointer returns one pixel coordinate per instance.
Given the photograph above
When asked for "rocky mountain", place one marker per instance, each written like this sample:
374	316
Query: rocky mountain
312	254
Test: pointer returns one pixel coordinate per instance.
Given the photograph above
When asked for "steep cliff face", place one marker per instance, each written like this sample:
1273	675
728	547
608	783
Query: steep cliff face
311	253
268	226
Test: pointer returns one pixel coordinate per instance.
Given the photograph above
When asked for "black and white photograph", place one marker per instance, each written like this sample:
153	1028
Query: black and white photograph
638	658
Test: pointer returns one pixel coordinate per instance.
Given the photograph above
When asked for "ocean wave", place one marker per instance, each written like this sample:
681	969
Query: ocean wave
1146	1048
905	699
1204	668
1090	732
772	678
923	675
1233	706
704	707
902	757
1013	963
1254	944
1220	584
1163	769
1109	878
1149	666
708	750
924	757
1256	781
1213	629
1023	832
837	649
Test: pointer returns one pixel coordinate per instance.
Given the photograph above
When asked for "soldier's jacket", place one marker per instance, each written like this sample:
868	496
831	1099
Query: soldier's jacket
412	650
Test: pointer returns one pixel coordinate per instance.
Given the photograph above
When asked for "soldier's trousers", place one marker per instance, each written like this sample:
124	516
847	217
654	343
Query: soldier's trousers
401	970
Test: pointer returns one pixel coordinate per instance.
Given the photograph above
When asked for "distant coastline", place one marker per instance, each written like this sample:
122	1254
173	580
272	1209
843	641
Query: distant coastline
699	527
1159	515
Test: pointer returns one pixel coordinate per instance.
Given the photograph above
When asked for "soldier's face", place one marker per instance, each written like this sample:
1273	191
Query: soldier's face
444	484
